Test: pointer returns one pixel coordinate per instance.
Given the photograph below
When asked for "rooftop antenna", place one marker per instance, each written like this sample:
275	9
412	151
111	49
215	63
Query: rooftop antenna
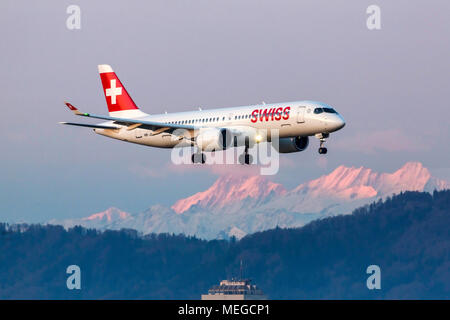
241	271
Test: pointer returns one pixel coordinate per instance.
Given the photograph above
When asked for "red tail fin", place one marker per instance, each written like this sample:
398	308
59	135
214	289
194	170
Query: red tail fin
117	97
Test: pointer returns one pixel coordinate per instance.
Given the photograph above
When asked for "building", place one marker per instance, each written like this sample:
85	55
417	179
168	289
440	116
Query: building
235	290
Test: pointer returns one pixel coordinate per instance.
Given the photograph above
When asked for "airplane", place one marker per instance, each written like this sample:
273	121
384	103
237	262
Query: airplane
215	129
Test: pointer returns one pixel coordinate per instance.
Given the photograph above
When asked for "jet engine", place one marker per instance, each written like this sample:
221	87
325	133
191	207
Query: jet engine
211	139
288	145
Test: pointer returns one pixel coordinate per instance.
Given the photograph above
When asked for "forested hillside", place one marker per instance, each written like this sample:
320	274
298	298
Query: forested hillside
407	235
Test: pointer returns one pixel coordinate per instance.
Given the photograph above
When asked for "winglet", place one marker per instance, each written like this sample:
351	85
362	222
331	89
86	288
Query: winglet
71	107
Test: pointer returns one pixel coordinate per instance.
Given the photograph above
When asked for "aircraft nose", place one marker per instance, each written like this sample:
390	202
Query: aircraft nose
338	123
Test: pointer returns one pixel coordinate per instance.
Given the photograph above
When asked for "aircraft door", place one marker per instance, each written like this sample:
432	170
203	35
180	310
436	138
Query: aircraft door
300	114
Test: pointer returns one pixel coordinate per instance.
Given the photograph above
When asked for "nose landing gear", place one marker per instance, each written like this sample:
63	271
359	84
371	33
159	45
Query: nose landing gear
322	137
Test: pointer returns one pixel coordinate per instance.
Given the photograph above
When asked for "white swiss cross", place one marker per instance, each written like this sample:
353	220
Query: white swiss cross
113	92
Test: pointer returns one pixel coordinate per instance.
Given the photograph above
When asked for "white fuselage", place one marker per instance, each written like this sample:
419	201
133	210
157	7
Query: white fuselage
291	119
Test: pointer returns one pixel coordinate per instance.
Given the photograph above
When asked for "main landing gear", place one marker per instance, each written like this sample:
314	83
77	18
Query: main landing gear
322	137
198	157
246	158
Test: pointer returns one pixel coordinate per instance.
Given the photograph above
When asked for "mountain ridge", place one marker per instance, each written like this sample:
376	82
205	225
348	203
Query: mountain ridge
239	205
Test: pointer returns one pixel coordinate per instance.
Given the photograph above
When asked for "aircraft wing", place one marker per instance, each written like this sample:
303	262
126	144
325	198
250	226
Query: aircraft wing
95	126
132	123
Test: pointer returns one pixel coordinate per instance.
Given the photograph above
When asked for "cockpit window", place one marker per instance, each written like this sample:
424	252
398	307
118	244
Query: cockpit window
329	110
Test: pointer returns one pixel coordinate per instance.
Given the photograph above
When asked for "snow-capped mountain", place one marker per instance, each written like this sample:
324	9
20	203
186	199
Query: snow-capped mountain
347	188
238	205
339	192
107	219
231	193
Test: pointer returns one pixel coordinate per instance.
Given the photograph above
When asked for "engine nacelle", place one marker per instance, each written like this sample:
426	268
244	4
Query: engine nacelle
210	139
288	145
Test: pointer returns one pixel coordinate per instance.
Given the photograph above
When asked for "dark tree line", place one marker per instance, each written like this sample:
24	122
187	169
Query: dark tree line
407	235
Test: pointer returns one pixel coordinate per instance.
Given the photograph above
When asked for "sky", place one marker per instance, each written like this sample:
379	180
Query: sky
390	85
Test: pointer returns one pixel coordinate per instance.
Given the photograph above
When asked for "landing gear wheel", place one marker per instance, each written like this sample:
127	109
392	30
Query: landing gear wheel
322	137
198	158
245	158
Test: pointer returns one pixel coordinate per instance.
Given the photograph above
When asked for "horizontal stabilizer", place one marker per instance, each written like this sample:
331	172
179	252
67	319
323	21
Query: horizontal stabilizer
72	108
95	126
